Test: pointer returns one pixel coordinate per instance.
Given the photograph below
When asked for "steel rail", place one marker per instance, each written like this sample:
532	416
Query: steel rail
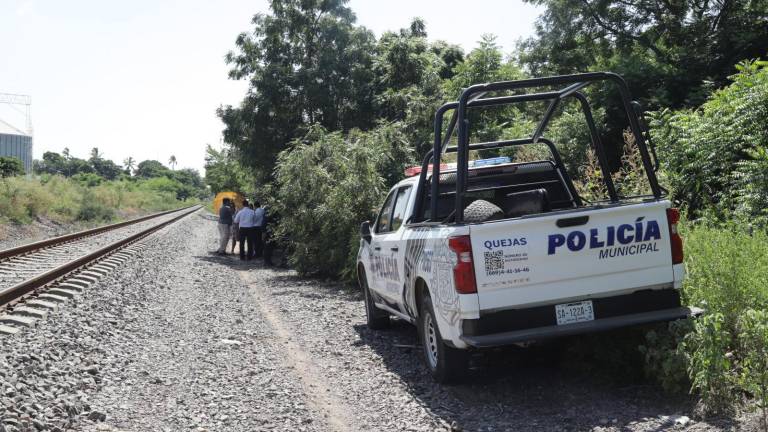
10	294
31	247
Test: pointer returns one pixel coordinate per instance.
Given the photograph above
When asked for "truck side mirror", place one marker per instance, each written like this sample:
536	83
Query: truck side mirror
365	231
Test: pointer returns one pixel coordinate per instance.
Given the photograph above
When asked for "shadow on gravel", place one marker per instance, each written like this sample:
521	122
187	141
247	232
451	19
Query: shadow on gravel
556	386
208	216
321	289
231	260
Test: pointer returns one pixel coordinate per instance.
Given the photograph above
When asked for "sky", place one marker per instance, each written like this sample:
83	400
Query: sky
143	78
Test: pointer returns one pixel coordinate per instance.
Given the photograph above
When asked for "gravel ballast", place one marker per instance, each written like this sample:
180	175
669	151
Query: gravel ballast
183	340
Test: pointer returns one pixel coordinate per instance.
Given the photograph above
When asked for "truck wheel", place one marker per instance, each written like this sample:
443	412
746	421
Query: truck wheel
376	318
446	364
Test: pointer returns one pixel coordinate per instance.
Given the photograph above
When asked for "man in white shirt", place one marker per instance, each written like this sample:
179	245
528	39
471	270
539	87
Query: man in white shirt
246	222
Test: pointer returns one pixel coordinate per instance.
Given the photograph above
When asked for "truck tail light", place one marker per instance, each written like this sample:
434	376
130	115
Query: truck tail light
673	217
463	271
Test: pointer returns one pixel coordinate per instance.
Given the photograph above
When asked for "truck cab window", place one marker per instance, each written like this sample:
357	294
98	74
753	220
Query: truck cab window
398	215
383	221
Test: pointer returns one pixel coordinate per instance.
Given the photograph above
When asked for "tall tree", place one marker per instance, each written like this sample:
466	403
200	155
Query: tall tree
151	169
223	172
485	63
95	154
408	80
130	165
307	63
672	52
172	162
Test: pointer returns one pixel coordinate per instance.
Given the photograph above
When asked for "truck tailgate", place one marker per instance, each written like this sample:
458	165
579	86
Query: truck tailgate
558	257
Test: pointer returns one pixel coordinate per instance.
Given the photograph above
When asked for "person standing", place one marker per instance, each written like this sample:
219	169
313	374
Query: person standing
245	220
225	225
235	230
259	222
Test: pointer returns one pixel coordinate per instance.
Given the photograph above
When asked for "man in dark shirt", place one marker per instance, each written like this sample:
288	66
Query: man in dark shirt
225	224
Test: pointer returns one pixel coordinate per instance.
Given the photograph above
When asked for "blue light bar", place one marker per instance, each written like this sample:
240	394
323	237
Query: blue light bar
491	161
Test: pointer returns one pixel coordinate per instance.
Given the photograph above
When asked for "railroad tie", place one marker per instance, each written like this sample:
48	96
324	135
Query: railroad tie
94	272
18	320
62	292
30	312
8	330
88	280
52	298
70	286
53	307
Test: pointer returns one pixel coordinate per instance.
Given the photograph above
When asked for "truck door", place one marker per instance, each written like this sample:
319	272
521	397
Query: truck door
380	230
388	251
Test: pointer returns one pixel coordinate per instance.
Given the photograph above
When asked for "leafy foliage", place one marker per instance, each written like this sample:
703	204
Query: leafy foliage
727	268
666	360
186	182
67	200
306	63
753	340
152	169
10	166
326	184
671	53
715	156
223	171
711	364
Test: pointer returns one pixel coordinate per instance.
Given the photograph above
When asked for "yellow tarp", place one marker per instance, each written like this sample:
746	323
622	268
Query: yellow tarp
219	200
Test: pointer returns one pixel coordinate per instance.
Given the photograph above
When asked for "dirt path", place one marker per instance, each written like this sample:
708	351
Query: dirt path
317	389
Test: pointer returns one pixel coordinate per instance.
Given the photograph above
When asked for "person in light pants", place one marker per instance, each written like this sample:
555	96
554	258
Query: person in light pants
225	225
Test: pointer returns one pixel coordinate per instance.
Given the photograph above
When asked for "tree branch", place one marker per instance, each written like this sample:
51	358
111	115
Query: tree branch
617	32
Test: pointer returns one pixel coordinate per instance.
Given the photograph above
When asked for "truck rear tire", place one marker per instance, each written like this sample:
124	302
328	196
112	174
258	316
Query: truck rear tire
376	318
445	363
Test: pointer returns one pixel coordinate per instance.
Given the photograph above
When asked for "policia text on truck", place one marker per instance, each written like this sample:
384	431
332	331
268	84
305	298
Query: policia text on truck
490	252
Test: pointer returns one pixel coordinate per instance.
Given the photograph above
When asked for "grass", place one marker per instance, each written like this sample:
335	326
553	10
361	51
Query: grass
23	199
727	269
720	356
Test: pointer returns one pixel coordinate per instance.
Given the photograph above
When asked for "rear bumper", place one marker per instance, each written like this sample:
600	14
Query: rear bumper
525	325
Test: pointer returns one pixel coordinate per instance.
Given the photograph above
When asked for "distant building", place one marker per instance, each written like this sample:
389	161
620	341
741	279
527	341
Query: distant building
16	143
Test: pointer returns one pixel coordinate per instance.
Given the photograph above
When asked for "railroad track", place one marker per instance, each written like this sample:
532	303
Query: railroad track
37	277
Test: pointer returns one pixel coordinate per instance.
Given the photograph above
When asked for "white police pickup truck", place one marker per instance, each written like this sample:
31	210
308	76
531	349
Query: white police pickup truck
509	252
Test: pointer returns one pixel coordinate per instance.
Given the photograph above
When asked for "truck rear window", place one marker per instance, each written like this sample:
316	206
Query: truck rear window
536	184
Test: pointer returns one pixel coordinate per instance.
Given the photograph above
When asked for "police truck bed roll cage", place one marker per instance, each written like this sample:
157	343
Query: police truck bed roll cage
474	97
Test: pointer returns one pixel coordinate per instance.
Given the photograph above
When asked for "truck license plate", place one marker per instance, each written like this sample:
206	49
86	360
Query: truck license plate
574	312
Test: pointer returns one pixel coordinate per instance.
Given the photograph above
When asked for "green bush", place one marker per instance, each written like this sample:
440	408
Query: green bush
10	166
92	210
326	184
21	199
77	199
753	341
714	156
711	365
727	268
88	179
666	361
